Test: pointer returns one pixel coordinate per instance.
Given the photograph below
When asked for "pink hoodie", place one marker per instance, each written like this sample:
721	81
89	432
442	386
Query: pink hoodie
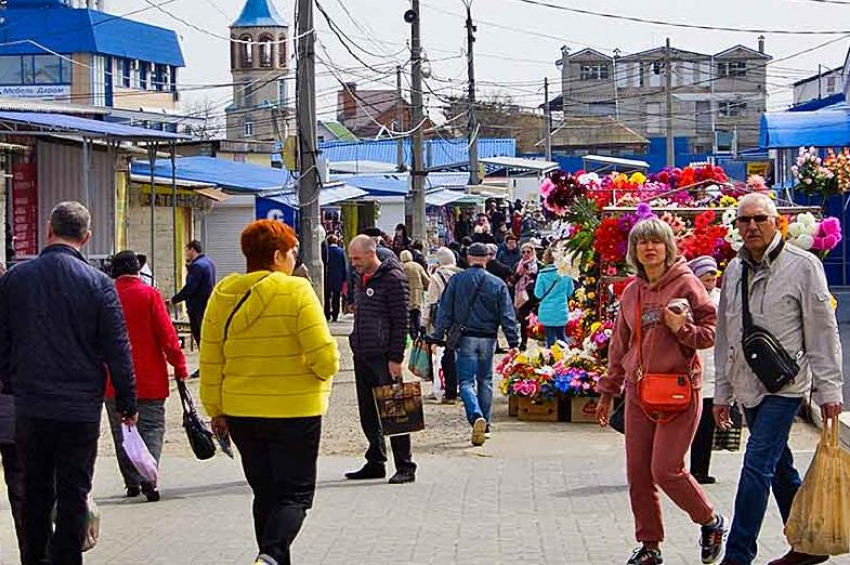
663	351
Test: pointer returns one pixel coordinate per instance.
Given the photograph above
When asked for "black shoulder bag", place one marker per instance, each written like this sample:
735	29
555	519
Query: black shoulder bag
455	333
774	367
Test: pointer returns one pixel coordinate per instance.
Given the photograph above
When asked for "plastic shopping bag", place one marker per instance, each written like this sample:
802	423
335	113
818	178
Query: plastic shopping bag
138	453
438	385
420	360
819	523
92	524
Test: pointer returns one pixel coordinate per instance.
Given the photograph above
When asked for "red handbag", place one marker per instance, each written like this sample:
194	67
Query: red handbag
663	396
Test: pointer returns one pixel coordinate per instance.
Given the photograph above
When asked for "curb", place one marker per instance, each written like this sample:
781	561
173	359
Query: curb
814	414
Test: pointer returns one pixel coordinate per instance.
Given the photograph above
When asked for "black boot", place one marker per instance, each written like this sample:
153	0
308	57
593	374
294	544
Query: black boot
369	471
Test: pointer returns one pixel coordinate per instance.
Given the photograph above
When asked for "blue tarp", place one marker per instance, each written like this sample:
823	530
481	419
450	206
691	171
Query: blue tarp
228	175
69	30
439	153
86	127
822	128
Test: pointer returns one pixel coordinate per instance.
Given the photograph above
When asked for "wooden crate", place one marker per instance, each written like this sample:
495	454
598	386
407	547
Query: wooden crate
583	409
513	405
535	410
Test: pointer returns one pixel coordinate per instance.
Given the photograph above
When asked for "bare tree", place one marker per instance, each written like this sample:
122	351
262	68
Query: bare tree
212	123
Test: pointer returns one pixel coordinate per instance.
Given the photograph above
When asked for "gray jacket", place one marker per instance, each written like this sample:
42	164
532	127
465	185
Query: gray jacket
788	297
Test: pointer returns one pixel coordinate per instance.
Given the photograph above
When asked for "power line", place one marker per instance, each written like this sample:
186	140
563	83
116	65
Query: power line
636	19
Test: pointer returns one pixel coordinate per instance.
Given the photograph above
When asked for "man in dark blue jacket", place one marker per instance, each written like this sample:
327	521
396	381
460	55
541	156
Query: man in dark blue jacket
61	332
200	281
335	278
479	303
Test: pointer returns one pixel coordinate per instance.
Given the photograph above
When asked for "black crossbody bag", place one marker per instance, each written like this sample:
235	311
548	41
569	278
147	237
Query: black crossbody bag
774	367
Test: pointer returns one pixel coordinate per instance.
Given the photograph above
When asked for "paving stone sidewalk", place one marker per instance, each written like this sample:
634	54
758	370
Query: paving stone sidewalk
538	493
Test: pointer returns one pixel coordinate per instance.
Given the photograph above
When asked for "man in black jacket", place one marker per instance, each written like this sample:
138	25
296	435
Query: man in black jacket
378	341
61	330
200	281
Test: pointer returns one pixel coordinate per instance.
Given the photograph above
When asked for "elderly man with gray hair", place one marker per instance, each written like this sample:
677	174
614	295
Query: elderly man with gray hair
782	291
61	331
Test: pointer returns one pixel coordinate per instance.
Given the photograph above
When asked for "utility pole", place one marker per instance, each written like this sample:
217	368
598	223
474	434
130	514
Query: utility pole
308	179
473	122
418	172
548	113
668	67
399	121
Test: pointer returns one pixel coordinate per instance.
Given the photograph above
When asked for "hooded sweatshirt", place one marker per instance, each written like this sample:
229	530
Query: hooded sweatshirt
278	358
663	351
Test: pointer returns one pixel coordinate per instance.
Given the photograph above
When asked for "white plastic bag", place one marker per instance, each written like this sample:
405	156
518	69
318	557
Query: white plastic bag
138	453
438	385
92	524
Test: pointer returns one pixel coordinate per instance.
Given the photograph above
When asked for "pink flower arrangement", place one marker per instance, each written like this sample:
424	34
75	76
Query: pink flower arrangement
828	235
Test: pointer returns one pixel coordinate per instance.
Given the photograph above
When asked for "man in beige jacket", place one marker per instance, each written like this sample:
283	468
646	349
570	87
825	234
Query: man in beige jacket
788	296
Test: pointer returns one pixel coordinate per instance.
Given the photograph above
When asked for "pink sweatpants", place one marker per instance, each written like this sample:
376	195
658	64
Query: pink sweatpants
655	457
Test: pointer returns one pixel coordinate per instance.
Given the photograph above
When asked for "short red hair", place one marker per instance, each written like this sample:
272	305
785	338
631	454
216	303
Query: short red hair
262	238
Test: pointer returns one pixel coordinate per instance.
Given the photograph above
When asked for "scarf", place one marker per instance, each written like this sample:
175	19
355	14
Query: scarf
526	277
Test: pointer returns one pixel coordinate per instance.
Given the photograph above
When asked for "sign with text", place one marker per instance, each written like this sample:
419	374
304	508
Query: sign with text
25	208
54	91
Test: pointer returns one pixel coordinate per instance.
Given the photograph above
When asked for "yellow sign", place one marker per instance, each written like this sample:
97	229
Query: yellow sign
290	153
757	168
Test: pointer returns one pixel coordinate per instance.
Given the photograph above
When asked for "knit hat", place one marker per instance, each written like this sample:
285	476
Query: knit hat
125	263
703	265
406	256
446	256
477	250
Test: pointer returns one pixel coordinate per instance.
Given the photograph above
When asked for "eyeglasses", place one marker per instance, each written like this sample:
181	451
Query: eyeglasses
527	251
759	219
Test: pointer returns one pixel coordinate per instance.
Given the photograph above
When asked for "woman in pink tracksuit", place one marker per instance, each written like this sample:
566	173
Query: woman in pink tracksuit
677	318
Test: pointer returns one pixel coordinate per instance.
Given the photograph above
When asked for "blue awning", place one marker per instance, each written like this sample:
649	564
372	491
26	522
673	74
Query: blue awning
331	194
228	175
398	184
822	128
83	126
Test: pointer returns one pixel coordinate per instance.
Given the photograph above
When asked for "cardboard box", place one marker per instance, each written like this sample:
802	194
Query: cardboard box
513	405
583	409
538	410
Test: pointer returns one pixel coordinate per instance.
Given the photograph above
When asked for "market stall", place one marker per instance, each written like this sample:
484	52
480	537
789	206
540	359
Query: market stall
590	219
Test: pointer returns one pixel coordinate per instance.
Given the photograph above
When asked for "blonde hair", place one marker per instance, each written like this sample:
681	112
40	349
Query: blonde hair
651	228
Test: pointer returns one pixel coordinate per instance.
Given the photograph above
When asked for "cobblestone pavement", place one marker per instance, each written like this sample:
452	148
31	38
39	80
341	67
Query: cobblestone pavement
537	493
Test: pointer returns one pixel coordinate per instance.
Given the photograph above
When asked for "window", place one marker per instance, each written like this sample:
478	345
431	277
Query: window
732	69
266	51
594	72
144	78
98	80
246	52
703	116
830	83
281	91
126	72
47	69
11	71
248	128
657	67
732	109
281	49
653	117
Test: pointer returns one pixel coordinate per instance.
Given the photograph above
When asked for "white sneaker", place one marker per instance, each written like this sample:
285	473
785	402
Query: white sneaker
478	432
263	559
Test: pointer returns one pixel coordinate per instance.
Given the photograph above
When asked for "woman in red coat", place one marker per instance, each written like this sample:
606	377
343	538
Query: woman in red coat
153	341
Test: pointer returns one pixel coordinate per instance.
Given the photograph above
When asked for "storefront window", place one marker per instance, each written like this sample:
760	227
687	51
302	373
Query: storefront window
47	69
10	70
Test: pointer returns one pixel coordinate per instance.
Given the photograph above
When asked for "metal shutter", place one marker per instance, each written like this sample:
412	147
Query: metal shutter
224	225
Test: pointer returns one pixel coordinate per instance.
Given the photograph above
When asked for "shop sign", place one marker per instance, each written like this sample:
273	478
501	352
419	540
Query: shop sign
183	200
757	168
55	91
25	208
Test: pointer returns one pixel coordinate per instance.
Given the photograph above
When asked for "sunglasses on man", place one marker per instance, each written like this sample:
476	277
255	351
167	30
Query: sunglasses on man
758	218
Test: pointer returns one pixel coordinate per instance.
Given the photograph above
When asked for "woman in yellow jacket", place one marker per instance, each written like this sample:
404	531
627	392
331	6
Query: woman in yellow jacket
267	360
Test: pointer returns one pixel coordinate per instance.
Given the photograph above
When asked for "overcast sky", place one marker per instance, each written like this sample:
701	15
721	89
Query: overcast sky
517	43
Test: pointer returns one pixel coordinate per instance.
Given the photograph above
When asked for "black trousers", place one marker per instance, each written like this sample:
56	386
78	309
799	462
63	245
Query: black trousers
58	461
703	440
333	298
415	316
369	373
13	472
449	366
279	459
195	322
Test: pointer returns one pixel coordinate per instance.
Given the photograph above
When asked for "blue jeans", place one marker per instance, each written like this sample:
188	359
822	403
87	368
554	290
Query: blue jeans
555	333
475	367
767	463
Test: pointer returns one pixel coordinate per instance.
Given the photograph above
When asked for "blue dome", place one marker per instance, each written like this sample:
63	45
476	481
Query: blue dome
259	13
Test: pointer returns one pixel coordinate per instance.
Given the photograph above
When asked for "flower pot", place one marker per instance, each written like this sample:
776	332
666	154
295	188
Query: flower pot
513	405
538	410
583	409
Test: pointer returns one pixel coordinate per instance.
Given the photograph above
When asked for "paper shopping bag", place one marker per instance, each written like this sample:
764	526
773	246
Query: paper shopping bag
819	523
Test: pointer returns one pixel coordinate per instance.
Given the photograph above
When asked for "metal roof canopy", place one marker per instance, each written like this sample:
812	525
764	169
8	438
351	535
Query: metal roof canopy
33	123
331	194
615	161
368	167
518	163
229	175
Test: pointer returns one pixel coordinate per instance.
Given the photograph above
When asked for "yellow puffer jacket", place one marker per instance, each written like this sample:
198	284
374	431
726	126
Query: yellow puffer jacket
279	356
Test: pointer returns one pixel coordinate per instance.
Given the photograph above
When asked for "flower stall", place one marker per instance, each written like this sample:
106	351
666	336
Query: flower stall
591	217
